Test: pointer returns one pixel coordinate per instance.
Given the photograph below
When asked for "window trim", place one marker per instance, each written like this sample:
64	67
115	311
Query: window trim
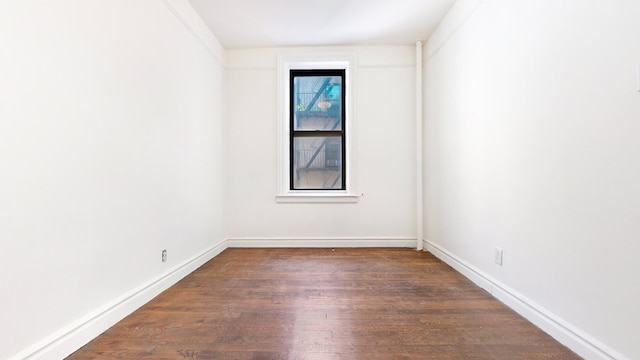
311	61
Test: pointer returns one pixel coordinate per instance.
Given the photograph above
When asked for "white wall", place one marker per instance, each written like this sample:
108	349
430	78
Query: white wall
384	116
110	151
531	137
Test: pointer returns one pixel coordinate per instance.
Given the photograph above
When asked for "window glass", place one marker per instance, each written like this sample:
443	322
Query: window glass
317	101
317	136
317	163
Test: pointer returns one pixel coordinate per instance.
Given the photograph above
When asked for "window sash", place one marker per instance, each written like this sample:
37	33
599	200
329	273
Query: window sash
322	123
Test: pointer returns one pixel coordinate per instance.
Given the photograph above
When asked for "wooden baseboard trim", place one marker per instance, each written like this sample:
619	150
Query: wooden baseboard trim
337	242
73	336
569	335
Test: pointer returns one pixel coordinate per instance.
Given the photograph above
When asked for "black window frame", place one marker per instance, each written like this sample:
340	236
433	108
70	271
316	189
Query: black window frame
342	133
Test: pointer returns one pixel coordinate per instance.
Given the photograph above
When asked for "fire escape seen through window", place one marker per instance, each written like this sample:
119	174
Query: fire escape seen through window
317	130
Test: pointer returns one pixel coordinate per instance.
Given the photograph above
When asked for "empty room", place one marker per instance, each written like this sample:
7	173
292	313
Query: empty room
319	179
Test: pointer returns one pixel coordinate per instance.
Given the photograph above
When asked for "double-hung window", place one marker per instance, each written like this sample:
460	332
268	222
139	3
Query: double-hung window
317	130
316	149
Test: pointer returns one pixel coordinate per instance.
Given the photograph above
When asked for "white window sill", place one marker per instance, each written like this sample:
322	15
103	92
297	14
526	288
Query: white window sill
317	197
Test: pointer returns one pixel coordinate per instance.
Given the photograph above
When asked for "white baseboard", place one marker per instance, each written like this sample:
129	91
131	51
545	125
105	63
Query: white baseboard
337	242
72	337
569	335
75	335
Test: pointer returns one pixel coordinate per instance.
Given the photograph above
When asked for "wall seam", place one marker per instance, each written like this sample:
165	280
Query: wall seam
193	32
457	27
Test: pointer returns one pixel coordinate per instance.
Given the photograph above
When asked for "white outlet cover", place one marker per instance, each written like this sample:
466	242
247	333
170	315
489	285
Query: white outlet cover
498	253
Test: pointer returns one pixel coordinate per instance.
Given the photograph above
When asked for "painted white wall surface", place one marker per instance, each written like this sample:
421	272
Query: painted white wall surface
532	145
110	151
384	150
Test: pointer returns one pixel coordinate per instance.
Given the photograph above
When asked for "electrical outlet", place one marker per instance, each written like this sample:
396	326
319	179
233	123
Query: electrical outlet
164	255
497	256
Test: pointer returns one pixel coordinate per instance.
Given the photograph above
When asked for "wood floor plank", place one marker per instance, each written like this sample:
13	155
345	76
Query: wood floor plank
263	304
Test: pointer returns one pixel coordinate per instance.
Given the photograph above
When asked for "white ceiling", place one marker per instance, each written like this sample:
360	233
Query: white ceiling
272	23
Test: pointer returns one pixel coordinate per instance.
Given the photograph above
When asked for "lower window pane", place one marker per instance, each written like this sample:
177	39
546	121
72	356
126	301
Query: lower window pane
317	163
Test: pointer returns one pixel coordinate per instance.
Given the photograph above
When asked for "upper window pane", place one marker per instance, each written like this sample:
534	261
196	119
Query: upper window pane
317	100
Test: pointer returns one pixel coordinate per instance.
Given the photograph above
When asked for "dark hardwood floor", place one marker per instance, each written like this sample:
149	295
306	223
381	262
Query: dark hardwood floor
324	304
